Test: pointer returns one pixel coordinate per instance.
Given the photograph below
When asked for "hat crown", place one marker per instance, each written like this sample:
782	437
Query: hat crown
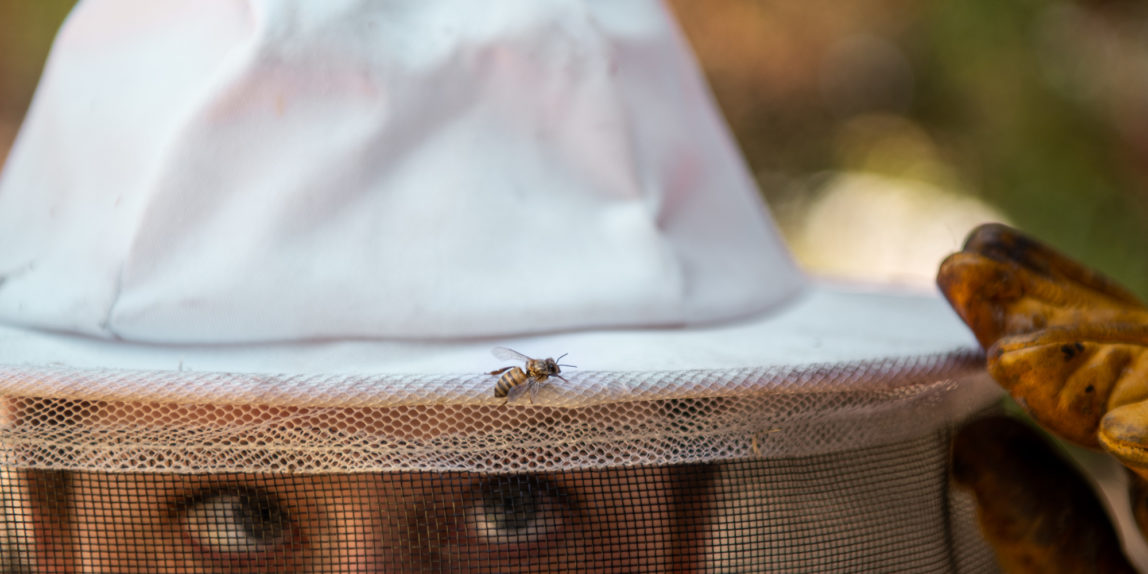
229	172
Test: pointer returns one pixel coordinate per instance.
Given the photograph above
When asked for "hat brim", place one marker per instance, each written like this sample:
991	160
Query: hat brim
827	339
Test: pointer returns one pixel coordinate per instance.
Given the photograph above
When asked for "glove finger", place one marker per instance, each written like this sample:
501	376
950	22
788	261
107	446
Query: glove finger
1005	284
1005	244
1123	432
998	299
1068	378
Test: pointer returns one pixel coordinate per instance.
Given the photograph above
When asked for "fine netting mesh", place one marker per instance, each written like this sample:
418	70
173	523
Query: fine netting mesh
845	472
884	508
827	410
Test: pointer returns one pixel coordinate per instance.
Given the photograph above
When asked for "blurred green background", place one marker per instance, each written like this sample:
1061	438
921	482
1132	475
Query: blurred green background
881	131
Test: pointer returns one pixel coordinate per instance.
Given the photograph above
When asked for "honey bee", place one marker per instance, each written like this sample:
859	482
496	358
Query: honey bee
536	371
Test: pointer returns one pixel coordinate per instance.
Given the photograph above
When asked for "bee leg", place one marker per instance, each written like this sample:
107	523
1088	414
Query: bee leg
500	371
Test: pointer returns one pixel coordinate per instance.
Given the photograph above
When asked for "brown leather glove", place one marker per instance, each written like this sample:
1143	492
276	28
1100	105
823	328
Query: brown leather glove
1069	345
1036	512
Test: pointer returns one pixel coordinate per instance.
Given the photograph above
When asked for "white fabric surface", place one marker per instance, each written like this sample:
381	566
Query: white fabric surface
284	171
826	327
353	197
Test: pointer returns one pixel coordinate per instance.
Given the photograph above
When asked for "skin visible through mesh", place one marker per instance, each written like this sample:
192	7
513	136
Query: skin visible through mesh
880	509
620	519
615	520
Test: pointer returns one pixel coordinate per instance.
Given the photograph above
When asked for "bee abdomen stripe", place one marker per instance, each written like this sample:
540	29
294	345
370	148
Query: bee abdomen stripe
507	381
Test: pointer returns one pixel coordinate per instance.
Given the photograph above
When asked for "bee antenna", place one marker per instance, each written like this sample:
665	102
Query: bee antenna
560	357
571	366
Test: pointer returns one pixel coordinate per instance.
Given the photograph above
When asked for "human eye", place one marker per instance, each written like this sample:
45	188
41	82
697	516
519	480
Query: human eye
237	523
517	510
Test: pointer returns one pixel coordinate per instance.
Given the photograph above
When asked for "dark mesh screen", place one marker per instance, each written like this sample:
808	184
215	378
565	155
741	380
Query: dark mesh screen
882	509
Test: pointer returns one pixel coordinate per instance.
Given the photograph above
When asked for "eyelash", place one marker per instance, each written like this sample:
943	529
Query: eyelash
497	515
269	511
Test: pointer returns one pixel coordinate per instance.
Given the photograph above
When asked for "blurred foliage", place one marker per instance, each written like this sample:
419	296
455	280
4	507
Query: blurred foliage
26	31
999	88
1037	107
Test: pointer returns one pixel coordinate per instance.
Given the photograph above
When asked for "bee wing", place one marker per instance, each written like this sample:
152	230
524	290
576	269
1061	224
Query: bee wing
516	393
508	354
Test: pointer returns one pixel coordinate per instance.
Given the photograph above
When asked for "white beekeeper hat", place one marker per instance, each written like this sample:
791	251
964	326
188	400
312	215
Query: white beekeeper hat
302	204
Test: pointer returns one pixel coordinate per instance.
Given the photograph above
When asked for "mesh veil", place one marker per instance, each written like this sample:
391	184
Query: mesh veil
833	470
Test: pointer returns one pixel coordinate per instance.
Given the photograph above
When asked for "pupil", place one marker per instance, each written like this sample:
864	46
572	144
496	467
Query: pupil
511	504
260	518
